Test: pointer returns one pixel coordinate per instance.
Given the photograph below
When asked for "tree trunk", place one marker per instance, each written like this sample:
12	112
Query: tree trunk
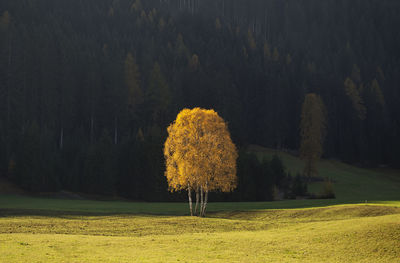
24	112
197	201
8	96
62	138
205	204
201	201
91	129
8	80
190	201
115	131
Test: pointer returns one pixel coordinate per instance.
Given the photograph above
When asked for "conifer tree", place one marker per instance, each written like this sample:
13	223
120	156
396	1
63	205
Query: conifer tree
377	93
194	62
356	74
355	98
132	81
312	133
158	89
137	6
218	25
251	41
275	55
267	51
182	52
4	20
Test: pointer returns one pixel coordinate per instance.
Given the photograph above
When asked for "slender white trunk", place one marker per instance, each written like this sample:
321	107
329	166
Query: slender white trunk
197	201
190	201
205	203
201	201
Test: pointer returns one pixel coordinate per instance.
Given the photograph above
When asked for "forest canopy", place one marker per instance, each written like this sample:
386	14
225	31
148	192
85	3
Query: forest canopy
87	88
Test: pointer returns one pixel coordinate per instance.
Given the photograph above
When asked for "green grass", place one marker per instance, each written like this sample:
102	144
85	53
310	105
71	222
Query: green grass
345	229
24	204
351	184
340	233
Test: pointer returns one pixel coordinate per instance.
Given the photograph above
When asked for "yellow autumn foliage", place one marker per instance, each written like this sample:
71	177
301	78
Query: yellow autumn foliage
199	152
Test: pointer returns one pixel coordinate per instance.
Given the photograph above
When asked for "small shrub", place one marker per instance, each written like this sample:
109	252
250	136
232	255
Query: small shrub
298	187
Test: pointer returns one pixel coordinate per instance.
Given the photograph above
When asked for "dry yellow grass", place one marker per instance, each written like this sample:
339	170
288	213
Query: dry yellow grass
355	233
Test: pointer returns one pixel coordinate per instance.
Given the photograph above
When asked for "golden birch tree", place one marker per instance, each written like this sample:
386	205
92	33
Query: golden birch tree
200	156
312	132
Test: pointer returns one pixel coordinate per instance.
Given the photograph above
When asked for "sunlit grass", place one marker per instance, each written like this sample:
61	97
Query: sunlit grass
361	225
341	233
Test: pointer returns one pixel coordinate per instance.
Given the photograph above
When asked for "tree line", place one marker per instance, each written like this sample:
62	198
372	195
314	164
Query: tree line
87	88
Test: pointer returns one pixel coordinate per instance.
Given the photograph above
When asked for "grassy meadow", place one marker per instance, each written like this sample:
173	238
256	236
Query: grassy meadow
351	183
345	229
339	233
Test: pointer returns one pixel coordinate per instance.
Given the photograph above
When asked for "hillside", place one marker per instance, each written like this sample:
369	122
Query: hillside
88	88
334	234
335	230
351	183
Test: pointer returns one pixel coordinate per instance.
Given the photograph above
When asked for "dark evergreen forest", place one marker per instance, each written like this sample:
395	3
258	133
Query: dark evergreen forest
88	87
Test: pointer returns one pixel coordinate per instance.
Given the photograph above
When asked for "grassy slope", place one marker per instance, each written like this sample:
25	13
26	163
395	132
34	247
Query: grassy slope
55	230
351	233
352	184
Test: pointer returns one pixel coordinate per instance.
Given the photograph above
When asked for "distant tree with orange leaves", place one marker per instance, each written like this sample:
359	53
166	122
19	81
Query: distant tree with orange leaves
200	156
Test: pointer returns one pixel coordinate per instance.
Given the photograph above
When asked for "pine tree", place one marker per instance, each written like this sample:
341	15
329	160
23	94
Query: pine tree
275	55
355	98
4	21
312	133
218	25
377	93
194	63
251	41
132	81
267	51
137	6
159	94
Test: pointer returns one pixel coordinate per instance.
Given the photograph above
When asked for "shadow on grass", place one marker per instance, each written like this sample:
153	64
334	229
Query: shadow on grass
13	206
64	214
